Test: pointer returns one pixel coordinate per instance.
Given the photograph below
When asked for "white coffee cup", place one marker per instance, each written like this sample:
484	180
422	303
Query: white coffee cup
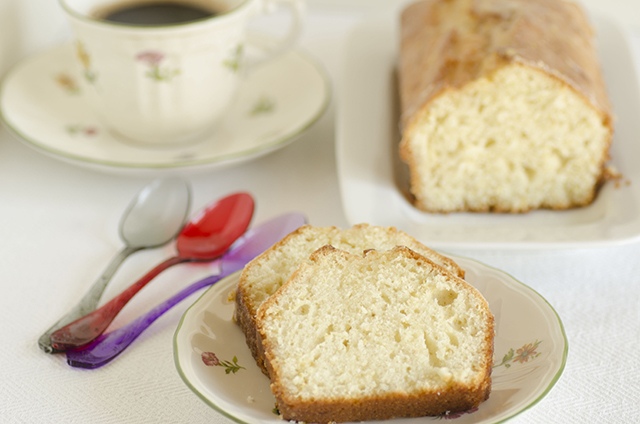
169	84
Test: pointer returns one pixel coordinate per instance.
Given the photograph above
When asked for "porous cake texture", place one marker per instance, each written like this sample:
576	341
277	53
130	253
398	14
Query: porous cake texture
504	106
263	276
375	336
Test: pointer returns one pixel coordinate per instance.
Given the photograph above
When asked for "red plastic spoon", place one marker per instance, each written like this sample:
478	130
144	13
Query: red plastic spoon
207	236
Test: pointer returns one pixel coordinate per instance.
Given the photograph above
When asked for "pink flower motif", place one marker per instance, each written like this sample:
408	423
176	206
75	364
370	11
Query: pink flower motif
210	359
88	131
150	57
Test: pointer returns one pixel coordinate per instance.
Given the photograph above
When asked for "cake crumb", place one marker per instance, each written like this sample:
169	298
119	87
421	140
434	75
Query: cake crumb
231	297
611	173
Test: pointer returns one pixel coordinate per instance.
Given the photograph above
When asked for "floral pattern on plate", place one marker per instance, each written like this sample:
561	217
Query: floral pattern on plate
211	360
522	355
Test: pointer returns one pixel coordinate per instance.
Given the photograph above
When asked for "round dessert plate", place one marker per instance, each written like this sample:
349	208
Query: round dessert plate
530	352
42	103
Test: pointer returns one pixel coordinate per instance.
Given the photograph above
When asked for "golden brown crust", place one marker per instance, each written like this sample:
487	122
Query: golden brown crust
446	44
245	313
246	321
454	398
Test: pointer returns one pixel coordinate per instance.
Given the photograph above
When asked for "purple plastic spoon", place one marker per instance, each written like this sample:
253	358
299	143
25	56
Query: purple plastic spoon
105	348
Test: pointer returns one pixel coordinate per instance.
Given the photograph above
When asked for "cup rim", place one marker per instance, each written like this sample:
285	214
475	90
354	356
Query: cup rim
147	28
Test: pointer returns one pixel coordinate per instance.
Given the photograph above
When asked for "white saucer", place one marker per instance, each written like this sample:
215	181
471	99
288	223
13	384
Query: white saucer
41	104
530	352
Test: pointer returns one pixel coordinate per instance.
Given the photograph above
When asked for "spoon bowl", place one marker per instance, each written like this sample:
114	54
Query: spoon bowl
209	234
157	215
205	238
153	218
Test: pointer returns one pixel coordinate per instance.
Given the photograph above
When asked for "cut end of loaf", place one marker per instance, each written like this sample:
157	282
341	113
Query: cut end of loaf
512	142
383	335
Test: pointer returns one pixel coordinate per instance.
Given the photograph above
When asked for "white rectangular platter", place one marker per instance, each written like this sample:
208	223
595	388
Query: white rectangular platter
373	179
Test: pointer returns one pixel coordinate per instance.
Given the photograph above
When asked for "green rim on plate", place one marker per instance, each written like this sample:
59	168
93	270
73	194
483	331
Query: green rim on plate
535	345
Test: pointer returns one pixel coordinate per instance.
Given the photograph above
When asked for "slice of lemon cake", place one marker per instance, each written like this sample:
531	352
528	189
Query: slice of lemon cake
375	336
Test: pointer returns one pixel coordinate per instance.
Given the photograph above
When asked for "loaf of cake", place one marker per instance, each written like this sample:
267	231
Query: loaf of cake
263	276
375	336
504	106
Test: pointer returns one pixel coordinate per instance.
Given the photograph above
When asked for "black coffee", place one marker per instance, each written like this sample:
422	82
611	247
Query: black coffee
155	14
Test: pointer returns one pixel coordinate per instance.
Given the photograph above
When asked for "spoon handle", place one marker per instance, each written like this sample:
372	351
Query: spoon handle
86	329
90	300
110	345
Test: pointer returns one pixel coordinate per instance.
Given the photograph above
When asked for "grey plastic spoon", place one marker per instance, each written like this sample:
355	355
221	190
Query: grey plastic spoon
152	219
105	348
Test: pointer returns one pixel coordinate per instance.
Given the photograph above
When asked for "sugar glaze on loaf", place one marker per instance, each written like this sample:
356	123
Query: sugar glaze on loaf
375	336
504	107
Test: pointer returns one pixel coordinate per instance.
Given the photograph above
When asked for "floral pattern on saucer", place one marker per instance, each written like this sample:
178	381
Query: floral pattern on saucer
264	105
85	130
41	102
68	83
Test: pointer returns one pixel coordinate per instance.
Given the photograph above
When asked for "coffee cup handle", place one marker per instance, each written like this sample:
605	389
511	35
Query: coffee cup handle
296	9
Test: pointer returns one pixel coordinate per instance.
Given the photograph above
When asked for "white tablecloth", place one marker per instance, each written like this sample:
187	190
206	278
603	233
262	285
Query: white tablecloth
58	230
